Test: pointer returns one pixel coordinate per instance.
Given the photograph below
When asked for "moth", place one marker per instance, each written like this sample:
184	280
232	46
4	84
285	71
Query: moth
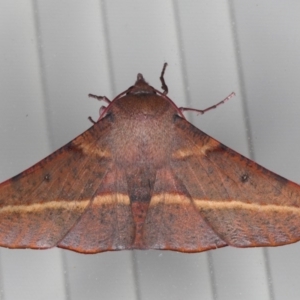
143	177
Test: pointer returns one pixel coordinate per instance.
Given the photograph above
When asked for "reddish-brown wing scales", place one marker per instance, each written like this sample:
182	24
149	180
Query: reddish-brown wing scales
142	177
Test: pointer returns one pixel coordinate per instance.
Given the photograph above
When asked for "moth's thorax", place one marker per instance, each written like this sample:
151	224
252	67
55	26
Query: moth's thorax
142	126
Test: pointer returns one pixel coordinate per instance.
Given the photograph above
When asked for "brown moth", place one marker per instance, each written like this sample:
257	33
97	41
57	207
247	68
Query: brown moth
143	177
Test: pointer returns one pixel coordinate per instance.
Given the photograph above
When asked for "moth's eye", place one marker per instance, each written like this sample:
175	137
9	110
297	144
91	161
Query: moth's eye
176	117
110	116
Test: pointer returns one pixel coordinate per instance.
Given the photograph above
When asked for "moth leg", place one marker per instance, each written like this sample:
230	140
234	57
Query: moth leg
91	119
104	98
102	108
182	109
163	83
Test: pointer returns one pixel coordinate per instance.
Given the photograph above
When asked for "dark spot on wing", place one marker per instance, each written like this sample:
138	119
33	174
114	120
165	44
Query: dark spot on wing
47	177
244	178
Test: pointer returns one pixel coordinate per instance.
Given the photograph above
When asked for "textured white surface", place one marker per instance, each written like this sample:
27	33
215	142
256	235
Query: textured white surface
53	53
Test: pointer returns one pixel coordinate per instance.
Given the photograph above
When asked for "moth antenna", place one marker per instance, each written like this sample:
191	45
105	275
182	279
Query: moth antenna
163	83
104	98
182	109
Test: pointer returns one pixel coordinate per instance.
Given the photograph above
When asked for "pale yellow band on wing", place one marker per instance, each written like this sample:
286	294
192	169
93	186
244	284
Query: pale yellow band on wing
51	205
112	198
165	198
67	205
196	150
203	204
239	205
90	149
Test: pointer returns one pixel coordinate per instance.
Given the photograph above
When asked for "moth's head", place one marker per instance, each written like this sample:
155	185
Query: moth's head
142	99
141	86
